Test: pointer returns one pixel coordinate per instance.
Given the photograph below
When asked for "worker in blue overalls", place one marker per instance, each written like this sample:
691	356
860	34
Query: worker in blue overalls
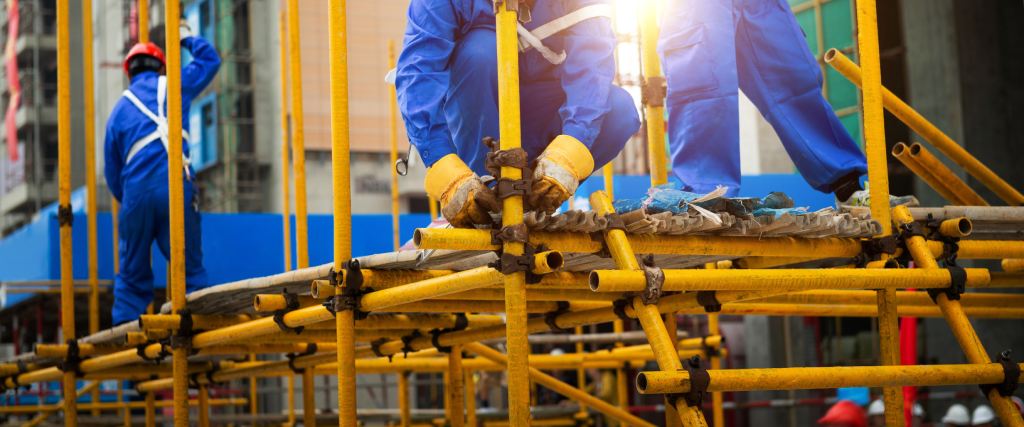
713	48
574	119
136	171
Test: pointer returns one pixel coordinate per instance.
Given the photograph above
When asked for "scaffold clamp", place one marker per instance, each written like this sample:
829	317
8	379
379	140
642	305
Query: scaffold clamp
1011	376
291	303
72	359
65	216
699	381
655	280
551	317
709	301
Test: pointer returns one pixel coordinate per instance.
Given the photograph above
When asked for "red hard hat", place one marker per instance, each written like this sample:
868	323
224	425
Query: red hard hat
148	49
844	413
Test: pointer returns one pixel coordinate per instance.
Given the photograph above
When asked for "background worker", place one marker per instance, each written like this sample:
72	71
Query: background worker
711	49
983	416
573	118
956	416
136	170
845	413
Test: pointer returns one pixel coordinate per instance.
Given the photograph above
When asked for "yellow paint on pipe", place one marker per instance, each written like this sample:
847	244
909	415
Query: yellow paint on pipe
89	111
902	153
204	406
661	382
143	16
298	137
309	398
286	226
470	399
291	399
150	408
562	388
199	321
1013	265
654	112
930	133
456	388
393	127
965	195
46	411
404	409
608	171
67	295
961	327
956	227
717	410
784	279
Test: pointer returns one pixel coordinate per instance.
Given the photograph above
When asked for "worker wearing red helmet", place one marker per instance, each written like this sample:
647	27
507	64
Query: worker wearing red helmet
136	170
844	413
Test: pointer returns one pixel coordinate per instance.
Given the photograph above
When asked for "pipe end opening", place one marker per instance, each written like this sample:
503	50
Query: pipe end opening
594	280
641	382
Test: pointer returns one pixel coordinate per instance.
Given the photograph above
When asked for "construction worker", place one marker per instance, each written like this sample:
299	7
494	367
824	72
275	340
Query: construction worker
573	118
956	416
845	413
713	48
136	170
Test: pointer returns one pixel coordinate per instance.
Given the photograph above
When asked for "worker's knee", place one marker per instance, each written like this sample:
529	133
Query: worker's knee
621	123
475	55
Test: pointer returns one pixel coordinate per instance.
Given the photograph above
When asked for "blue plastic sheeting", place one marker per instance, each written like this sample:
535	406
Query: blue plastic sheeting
636	186
235	246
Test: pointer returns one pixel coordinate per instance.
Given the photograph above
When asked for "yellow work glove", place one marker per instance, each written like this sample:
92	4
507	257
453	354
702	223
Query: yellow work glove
560	168
465	200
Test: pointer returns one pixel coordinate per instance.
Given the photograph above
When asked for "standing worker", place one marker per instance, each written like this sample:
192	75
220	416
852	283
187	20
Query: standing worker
712	49
136	170
573	118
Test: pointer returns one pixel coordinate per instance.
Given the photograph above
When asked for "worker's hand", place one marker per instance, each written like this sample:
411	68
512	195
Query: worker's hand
184	31
560	168
465	199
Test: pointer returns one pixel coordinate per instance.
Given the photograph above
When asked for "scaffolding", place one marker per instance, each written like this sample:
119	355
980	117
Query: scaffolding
399	314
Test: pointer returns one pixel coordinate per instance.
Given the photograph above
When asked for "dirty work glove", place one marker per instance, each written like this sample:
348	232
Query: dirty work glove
184	31
560	168
465	200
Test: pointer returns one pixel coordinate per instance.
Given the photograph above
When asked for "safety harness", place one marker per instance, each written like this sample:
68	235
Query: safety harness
160	119
535	39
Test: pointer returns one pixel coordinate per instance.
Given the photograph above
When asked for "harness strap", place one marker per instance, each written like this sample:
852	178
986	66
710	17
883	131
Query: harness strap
160	119
535	39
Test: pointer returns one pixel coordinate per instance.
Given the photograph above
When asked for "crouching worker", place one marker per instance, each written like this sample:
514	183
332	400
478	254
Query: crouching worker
573	118
136	171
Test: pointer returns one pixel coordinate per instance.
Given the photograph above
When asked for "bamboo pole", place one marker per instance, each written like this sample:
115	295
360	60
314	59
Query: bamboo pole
67	295
929	132
506	21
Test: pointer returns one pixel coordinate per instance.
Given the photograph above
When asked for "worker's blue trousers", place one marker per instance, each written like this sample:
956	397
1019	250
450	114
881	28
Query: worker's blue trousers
144	219
472	105
712	48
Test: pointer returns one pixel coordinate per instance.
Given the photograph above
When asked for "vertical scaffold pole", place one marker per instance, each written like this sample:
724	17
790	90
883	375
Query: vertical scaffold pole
204	406
89	110
959	324
717	410
470	399
291	399
878	180
456	388
653	93
150	409
581	373
506	18
298	138
64	216
143	20
649	316
404	413
286	224
175	178
393	127
344	319
609	179
308	398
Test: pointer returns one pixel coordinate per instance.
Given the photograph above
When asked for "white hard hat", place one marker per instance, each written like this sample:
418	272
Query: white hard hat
877	407
957	414
918	410
982	414
557	351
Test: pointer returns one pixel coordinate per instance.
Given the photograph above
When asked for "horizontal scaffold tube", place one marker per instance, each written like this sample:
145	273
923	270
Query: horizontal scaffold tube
31	409
829	247
660	382
790	279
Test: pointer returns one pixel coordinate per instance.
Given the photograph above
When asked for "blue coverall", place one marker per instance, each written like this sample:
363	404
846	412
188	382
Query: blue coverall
141	185
712	48
447	83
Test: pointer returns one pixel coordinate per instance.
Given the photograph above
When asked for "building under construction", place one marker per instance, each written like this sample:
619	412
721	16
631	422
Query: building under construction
336	298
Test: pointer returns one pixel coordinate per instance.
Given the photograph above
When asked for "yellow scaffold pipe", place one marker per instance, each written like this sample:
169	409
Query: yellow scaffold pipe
298	137
930	133
64	213
175	178
662	382
46	411
1013	265
901	152
784	279
653	91
286	221
649	315
562	388
506	22
344	319
878	180
404	409
958	322
941	172
393	128
143	17
89	111
456	388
